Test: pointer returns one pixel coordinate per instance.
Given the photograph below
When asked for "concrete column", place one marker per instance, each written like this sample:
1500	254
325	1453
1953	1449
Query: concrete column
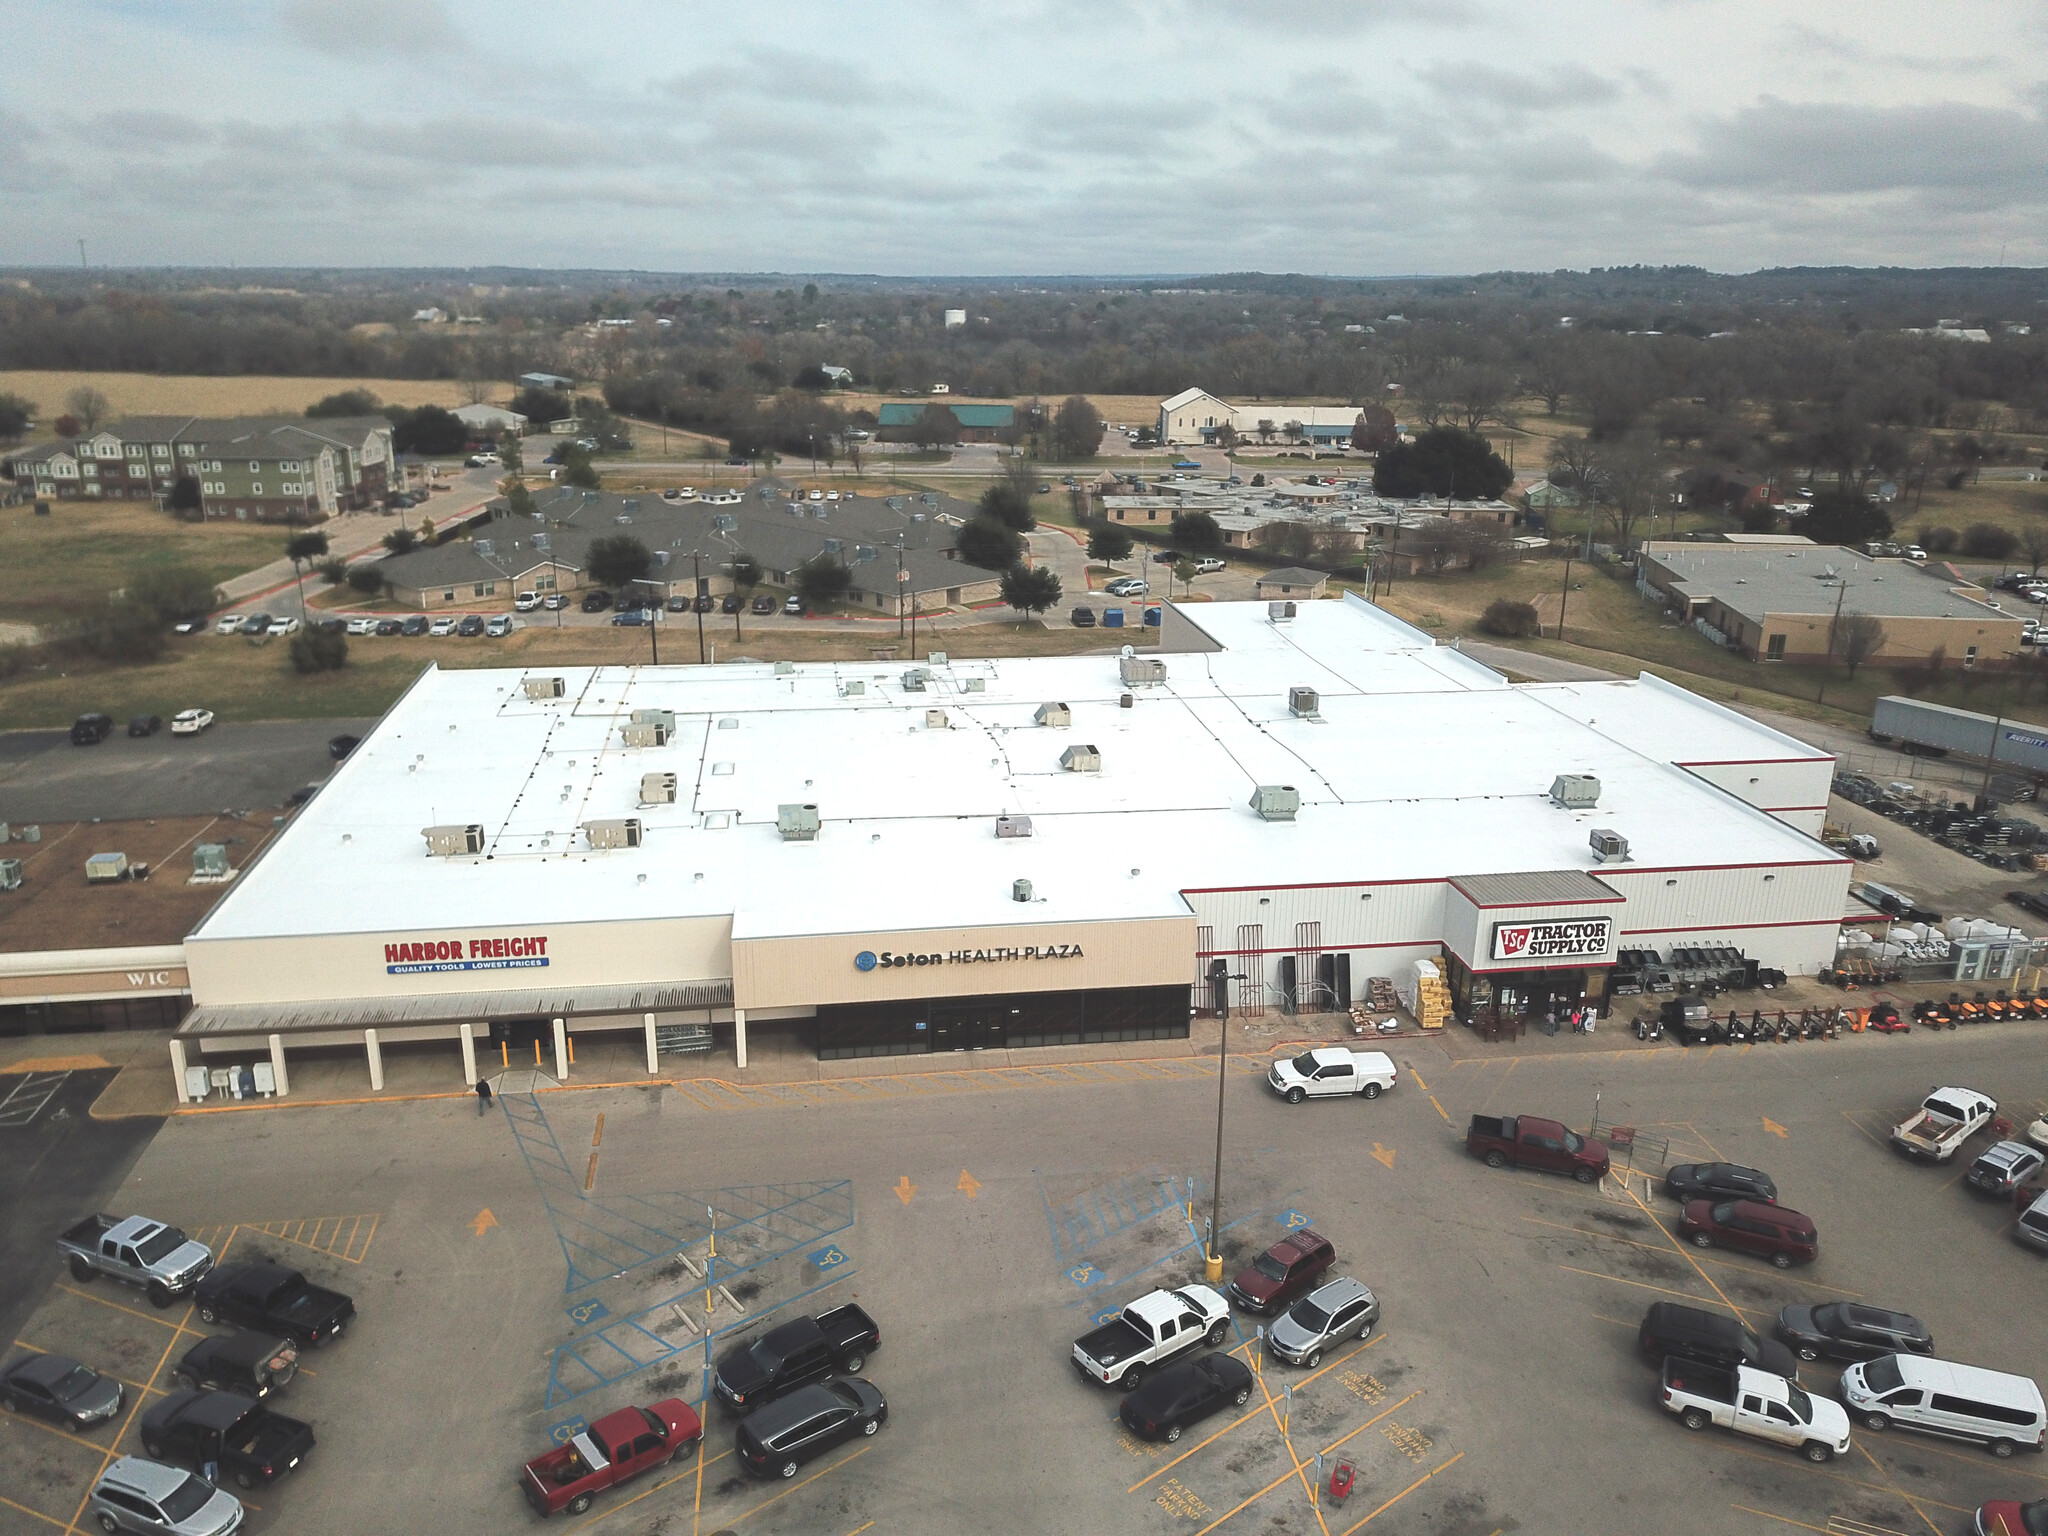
178	1070
376	1055
561	1051
277	1065
653	1056
739	1037
468	1055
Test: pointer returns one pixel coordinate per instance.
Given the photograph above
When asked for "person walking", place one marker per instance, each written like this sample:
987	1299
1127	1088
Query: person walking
483	1096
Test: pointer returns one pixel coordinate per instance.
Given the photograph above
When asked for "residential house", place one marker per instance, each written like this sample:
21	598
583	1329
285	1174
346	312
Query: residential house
1292	581
490	420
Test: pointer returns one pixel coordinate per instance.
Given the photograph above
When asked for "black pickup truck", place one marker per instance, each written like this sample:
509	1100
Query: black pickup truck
271	1296
252	1444
808	1349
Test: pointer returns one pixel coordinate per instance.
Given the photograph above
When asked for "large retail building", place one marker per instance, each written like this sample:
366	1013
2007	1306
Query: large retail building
942	856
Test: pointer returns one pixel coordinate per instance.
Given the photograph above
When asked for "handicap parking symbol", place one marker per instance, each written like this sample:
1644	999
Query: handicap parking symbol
1292	1219
1084	1275
567	1430
830	1258
1106	1315
588	1312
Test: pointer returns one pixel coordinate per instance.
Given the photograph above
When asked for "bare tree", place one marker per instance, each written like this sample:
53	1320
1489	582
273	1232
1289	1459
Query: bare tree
1859	637
2034	545
90	406
475	391
1479	395
1632	475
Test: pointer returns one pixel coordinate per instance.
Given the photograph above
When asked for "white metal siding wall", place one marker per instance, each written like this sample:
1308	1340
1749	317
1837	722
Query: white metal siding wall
1795	793
1398	924
1787	921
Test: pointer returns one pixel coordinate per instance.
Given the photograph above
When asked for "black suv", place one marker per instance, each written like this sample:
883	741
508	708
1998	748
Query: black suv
415	625
145	725
1719	1181
471	626
1670	1331
776	1440
90	730
596	601
1842	1330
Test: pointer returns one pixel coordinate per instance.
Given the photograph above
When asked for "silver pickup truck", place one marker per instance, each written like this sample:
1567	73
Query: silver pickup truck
140	1250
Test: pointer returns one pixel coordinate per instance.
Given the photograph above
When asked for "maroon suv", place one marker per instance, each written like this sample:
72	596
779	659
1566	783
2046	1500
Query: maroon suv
1283	1272
1769	1231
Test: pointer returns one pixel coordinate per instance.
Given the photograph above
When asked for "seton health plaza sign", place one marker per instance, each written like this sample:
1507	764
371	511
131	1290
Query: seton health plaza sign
869	960
1579	938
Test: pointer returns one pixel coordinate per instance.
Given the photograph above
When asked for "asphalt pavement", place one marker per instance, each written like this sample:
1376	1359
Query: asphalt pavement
43	777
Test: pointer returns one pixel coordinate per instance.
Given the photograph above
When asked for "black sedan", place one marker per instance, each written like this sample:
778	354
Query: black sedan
1843	1330
472	625
1185	1394
705	602
58	1387
596	601
1719	1181
2029	901
339	747
391	626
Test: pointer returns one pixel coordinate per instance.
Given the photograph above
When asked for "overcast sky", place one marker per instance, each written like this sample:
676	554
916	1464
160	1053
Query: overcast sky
999	136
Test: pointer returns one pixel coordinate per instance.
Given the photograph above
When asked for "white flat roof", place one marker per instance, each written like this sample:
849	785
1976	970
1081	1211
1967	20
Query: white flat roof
1657	717
1422	764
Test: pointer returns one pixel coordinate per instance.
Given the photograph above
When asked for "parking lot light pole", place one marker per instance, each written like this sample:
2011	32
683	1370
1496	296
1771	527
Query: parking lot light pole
1220	975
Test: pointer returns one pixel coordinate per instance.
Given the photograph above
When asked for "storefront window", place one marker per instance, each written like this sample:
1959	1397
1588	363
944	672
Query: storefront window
917	1027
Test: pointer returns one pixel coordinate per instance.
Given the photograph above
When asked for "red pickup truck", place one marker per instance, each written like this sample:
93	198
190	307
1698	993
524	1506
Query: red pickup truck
1524	1141
617	1447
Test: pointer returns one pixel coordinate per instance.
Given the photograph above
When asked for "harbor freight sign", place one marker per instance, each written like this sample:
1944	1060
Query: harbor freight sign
528	952
1576	939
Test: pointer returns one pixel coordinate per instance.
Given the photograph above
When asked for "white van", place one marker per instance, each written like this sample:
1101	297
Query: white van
1940	1397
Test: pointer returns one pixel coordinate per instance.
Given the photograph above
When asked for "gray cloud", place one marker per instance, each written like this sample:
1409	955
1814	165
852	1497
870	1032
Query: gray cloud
1833	148
368	28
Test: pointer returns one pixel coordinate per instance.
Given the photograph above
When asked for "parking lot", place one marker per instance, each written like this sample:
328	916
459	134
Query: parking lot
520	1272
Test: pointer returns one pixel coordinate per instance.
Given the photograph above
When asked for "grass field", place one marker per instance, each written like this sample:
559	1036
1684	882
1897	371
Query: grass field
253	680
61	564
153	394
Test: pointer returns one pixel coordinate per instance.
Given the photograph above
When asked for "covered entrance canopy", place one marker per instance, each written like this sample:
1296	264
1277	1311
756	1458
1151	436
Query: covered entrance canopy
1531	944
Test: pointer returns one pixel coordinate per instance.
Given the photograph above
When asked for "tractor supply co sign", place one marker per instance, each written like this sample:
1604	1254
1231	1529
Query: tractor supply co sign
1576	939
459	953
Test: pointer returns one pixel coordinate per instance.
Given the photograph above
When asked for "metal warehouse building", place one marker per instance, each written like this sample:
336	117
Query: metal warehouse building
1010	852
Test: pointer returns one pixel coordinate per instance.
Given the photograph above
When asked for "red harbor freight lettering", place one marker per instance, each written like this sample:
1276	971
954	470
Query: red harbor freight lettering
428	950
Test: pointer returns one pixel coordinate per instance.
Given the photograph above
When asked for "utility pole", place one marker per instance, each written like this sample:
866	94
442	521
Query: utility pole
697	566
1565	593
902	578
81	256
1212	1251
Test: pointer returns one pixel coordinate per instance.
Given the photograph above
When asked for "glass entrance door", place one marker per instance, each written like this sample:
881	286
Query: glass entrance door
968	1029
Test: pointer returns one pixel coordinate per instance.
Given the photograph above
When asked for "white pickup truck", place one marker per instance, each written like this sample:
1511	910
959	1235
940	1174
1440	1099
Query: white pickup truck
1946	1119
1152	1329
1753	1402
1332	1071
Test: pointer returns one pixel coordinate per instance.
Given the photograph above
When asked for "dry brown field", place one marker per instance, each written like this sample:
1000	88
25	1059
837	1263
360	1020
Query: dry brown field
164	394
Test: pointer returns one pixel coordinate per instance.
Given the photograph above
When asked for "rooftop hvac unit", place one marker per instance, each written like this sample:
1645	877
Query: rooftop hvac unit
725	522
1013	826
915	679
1303	702
1140	669
657	789
974	685
486	548
31	833
661	557
1125	701
106	866
937	658
630	503
852	688
649	735
454	838
797	823
617	832
665	718
10	874
623	517
209	860
540	540
1276	802
1020	890
935	720
1575	791
1279	613
1057	715
785	669
544	687
1081	760
1609	847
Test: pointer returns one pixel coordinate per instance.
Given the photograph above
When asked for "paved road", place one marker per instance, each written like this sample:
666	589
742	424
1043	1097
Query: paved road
57	1164
44	778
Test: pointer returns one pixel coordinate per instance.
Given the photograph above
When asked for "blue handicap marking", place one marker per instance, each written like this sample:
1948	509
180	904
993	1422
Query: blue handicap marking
1292	1219
567	1430
588	1312
1106	1315
830	1258
1084	1275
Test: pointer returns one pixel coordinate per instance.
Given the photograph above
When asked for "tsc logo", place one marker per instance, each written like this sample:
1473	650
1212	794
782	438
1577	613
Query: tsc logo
1512	942
864	961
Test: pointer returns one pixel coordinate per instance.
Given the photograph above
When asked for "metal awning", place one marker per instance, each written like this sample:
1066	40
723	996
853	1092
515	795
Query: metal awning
452	1008
1535	888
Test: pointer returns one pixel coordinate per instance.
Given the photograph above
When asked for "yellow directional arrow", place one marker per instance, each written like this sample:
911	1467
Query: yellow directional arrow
1773	1127
905	1189
1384	1154
484	1220
969	1185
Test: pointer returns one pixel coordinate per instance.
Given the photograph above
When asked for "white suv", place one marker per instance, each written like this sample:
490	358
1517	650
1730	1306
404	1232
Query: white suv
526	602
1127	586
138	1495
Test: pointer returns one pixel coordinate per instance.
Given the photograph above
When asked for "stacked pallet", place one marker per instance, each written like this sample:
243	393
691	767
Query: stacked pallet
1432	995
1380	996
